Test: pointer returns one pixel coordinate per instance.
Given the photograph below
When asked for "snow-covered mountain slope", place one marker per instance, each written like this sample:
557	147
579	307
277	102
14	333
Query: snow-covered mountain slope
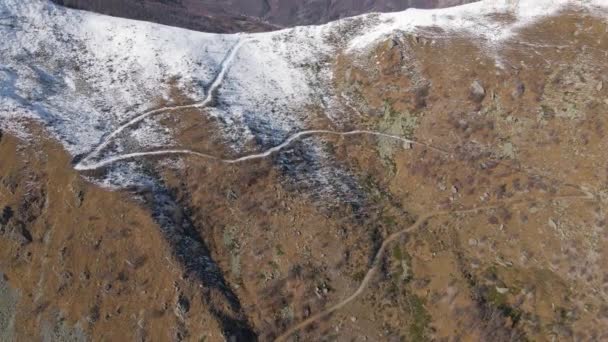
83	75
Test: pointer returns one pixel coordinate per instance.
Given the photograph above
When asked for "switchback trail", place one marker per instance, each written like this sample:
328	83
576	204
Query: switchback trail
391	238
217	82
85	163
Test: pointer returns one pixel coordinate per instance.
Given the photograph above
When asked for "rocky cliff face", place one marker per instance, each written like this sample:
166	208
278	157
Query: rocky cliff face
247	15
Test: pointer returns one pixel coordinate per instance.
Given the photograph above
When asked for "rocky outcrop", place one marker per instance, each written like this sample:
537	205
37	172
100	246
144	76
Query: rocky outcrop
247	15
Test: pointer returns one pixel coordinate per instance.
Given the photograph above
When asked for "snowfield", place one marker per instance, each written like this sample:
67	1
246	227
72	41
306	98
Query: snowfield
84	74
90	79
477	19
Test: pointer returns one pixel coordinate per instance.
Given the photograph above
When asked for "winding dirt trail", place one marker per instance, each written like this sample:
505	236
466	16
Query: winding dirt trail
87	165
391	238
217	82
103	163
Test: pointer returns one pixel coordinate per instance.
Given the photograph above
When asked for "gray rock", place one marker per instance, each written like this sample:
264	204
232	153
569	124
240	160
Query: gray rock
478	92
182	306
520	89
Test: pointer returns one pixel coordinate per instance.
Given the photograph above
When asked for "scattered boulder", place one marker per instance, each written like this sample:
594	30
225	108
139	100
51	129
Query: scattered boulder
553	224
519	90
508	150
183	306
502	290
420	97
477	92
94	314
15	228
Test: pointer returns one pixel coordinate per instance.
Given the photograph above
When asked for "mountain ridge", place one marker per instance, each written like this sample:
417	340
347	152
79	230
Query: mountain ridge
247	15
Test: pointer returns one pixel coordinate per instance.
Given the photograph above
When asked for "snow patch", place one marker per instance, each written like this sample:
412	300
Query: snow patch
475	19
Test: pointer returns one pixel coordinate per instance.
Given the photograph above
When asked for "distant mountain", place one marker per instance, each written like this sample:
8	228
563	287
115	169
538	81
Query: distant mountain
247	15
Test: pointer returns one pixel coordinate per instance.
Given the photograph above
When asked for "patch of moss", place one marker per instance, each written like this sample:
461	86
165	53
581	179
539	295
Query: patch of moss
509	311
233	246
358	276
389	221
279	250
273	264
491	273
494	297
419	326
547	112
397	254
405	260
398	124
372	188
499	301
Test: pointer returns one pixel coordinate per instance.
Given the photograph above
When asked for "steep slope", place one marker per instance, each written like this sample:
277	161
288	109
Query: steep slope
418	175
78	261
